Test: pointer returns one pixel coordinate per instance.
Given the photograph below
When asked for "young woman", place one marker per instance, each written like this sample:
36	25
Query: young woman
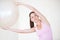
38	24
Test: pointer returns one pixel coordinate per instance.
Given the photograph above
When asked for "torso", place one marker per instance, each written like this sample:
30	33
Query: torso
44	33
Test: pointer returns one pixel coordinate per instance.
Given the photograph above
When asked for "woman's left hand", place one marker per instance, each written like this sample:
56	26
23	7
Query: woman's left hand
5	28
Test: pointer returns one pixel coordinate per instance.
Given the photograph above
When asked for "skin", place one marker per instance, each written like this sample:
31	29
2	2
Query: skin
33	17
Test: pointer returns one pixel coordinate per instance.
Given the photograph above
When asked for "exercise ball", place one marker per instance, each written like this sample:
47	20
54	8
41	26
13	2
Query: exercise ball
8	13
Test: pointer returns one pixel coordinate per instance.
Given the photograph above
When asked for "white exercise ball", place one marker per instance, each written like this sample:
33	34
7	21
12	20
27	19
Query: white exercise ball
8	13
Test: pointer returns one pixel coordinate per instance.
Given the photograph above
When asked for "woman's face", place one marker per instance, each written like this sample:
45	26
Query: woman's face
34	17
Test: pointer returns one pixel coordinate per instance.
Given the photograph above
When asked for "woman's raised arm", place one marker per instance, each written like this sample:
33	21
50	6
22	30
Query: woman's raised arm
36	11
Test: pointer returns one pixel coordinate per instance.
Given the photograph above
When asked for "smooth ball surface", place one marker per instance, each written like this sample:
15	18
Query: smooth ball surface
8	13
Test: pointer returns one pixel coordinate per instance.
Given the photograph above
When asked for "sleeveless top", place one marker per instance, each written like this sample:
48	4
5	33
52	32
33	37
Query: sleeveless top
45	32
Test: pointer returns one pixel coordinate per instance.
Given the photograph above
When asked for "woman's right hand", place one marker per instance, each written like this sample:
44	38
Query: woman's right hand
19	3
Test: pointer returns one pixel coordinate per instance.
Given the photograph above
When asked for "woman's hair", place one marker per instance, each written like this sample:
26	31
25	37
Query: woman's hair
31	23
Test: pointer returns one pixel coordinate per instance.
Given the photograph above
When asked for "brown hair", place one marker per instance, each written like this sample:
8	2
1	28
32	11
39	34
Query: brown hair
31	23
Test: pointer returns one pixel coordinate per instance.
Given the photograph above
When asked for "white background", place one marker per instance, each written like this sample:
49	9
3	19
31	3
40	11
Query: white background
49	8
